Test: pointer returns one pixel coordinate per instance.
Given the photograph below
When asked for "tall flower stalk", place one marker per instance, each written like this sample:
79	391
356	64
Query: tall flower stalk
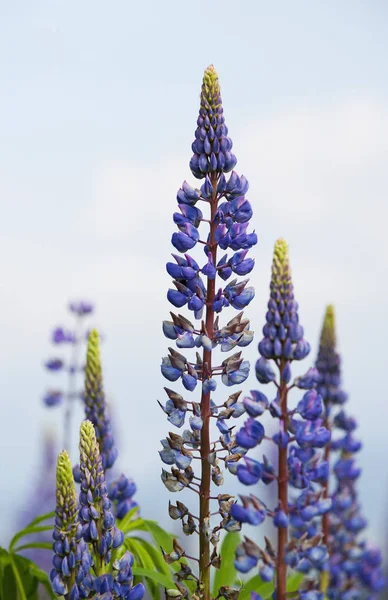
354	569
122	489
300	470
198	287
60	337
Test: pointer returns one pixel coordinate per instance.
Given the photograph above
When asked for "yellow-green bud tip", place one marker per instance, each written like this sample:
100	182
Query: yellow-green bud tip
87	434
280	264
211	88
281	250
93	358
65	487
328	337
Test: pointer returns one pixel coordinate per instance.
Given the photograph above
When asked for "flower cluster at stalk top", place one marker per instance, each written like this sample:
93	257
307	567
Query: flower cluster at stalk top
85	532
72	560
354	567
212	146
95	403
122	489
300	436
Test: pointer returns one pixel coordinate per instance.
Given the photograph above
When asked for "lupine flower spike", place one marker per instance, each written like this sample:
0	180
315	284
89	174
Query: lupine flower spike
354	569
74	338
95	405
300	434
98	526
197	285
122	489
72	561
96	517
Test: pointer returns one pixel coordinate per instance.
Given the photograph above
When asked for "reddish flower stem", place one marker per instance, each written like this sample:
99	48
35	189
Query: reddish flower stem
281	584
204	492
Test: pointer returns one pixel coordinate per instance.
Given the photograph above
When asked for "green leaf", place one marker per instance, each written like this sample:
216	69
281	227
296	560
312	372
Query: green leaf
7	582
160	578
160	536
294	581
143	559
156	557
164	540
256	584
40	576
44	545
30	530
127	523
19	579
41	518
226	575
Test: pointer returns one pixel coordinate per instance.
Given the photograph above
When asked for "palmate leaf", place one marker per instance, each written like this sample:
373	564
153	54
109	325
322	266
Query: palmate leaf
31	529
226	575
20	578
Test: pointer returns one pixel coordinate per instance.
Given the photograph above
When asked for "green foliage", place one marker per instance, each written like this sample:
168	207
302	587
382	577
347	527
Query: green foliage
266	589
20	578
227	573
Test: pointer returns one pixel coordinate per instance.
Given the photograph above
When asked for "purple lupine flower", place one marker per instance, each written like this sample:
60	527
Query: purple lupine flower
212	146
120	492
54	364
119	583
349	572
199	285
61	336
96	411
70	576
95	513
95	405
81	307
301	432
73	338
53	397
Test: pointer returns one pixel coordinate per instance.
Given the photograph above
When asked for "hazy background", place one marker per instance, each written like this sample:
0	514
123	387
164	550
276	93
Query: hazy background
98	106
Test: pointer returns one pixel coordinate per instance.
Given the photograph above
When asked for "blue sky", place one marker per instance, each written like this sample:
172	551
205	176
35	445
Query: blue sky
98	107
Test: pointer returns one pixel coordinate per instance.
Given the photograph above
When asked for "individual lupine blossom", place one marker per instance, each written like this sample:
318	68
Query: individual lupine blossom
198	284
300	436
95	513
72	561
354	569
62	336
122	489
